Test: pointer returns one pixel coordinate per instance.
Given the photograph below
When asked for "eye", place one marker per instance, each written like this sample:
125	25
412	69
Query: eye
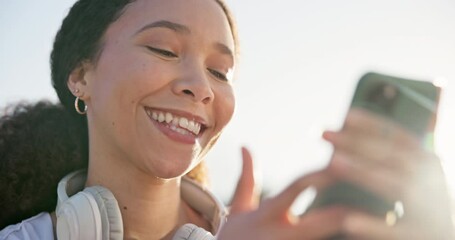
162	52
218	75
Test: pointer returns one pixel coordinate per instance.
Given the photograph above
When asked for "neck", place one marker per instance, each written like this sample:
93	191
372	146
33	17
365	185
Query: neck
151	207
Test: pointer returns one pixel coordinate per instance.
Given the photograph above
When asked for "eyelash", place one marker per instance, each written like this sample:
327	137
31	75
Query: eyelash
169	54
217	74
162	52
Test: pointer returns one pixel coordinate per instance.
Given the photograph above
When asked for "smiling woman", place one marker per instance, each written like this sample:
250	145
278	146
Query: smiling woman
156	65
156	58
150	83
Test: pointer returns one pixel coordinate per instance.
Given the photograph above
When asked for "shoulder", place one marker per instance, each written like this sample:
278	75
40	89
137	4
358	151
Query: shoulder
37	227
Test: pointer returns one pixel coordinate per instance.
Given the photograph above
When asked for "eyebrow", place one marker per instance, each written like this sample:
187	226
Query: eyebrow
179	28
224	49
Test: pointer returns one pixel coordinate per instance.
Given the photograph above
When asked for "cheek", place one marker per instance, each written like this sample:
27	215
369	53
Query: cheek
131	72
120	85
126	85
225	106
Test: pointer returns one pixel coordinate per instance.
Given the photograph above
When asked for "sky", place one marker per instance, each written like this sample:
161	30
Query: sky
300	61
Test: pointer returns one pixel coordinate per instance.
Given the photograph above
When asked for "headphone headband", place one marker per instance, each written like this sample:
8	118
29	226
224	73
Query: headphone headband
77	207
70	185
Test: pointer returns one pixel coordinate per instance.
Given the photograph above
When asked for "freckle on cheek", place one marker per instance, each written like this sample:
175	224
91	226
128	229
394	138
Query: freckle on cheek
113	123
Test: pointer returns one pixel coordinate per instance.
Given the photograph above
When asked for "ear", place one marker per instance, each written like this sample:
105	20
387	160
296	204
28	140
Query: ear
79	80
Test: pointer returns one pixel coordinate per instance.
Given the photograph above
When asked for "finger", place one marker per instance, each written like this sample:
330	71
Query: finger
280	204
424	172
310	227
368	150
382	182
246	195
363	226
363	136
376	125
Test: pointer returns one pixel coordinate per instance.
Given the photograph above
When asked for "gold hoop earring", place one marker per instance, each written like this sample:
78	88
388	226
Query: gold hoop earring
76	106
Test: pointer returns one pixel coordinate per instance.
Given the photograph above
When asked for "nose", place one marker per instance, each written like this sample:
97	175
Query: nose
195	85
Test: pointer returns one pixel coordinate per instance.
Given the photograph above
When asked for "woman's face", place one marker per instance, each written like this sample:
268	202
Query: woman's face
160	92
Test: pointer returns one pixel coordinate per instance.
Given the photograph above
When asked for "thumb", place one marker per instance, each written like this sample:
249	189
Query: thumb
246	196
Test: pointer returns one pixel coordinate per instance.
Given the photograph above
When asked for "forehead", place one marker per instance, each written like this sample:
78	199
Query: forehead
204	18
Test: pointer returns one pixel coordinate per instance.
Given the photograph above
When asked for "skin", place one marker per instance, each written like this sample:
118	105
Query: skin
142	166
167	56
394	166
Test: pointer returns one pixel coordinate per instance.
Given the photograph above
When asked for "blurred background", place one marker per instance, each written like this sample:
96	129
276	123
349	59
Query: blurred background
299	64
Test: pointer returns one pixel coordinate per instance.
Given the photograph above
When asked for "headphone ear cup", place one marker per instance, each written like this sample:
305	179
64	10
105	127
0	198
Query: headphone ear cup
78	218
111	217
192	232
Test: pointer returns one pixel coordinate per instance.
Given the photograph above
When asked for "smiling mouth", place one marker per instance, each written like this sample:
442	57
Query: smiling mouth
179	124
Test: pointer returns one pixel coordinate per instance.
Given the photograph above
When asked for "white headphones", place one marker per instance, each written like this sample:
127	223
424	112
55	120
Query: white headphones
93	213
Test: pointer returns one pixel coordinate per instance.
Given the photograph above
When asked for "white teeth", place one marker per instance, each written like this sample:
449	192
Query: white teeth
191	126
155	115
168	117
179	130
175	121
161	117
178	124
183	122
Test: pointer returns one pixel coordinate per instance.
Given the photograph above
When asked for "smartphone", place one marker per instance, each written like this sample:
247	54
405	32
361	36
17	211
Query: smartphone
412	104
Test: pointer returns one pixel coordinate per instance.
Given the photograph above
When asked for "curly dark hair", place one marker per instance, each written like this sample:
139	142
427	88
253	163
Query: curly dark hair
39	144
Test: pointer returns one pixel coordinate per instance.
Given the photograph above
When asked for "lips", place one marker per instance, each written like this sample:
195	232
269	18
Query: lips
176	123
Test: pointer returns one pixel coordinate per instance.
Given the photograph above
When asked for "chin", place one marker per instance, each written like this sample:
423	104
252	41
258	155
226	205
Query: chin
173	170
167	163
170	174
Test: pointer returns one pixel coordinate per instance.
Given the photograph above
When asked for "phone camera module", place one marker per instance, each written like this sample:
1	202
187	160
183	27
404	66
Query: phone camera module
383	98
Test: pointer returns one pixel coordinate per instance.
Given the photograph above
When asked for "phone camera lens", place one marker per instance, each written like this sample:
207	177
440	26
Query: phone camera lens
389	91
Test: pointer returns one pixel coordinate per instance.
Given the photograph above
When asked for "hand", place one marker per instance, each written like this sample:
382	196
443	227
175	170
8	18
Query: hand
247	193
378	155
272	219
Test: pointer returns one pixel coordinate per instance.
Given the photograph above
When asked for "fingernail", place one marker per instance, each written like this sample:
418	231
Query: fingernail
328	135
325	132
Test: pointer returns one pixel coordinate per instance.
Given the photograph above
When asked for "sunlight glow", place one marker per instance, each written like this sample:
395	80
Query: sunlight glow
444	137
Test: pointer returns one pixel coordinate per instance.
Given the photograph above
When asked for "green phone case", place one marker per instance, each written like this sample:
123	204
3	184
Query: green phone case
410	103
